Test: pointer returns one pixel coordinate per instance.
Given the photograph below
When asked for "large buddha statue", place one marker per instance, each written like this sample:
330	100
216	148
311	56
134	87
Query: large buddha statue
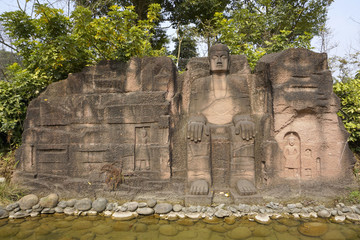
220	130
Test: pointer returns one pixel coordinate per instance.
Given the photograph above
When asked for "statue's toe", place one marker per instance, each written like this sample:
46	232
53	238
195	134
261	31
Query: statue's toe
245	187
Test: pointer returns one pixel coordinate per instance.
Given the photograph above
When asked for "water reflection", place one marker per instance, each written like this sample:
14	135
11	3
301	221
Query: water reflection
96	227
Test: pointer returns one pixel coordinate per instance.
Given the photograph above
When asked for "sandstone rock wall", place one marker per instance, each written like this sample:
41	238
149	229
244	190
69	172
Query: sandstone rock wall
122	126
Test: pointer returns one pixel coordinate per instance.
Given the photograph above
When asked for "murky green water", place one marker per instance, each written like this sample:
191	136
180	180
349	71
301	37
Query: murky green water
89	228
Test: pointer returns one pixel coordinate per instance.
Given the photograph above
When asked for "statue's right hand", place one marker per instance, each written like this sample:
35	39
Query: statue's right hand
196	126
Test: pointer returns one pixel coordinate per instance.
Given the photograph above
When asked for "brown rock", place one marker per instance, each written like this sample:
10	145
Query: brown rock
313	229
28	201
168	230
49	201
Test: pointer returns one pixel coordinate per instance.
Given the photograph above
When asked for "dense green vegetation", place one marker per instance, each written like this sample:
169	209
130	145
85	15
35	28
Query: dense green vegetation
349	93
50	44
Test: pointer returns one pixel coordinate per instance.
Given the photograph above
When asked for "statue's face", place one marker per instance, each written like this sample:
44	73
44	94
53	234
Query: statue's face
219	62
291	141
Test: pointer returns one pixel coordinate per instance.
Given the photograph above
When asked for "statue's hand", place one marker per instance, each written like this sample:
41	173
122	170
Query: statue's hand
196	126
245	127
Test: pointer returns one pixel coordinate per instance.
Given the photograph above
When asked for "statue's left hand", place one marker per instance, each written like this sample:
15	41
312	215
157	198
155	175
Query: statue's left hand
245	127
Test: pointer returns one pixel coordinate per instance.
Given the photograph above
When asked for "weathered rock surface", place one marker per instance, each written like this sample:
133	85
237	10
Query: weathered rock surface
313	229
99	204
28	201
124	216
163	208
145	211
49	201
83	204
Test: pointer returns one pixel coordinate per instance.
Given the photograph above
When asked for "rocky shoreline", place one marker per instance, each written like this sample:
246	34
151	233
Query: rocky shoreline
33	206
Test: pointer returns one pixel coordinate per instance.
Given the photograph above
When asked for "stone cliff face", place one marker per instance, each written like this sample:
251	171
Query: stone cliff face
122	127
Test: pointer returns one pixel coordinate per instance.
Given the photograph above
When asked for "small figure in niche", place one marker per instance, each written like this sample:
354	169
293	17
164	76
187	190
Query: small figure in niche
292	157
142	156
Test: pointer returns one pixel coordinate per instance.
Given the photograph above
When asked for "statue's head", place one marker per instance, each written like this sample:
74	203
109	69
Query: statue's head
219	58
291	139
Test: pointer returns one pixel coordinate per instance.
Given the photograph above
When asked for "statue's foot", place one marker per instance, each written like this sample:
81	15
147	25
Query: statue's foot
245	187
199	187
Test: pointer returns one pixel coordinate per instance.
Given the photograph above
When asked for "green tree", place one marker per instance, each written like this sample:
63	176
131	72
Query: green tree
257	27
52	45
100	8
349	94
200	13
185	46
6	58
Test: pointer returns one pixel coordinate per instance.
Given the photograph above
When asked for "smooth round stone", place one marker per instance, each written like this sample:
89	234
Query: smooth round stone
122	226
91	213
339	219
108	213
124	215
49	201
28	201
132	206
69	211
145	211
142	205
168	230
62	204
212	220
71	202
177	208
102	229
239	233
20	214
230	220
353	217
194	215
333	235
172	216
324	213
185	222
222	213
163	208
313	229
288	222
99	204
12	206
280	228
140	227
83	204
48	211
59	210
151	203
262	218
3	213
34	214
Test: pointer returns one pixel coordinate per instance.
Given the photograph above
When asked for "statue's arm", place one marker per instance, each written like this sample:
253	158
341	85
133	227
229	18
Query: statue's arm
244	125
196	126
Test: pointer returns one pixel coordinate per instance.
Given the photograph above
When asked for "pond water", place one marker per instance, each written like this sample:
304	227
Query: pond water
147	228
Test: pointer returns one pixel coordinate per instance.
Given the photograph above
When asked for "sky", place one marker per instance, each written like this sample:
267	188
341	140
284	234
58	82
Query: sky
343	21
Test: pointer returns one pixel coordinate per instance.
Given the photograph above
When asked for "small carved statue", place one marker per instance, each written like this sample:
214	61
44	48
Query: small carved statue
220	114
142	155
292	157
